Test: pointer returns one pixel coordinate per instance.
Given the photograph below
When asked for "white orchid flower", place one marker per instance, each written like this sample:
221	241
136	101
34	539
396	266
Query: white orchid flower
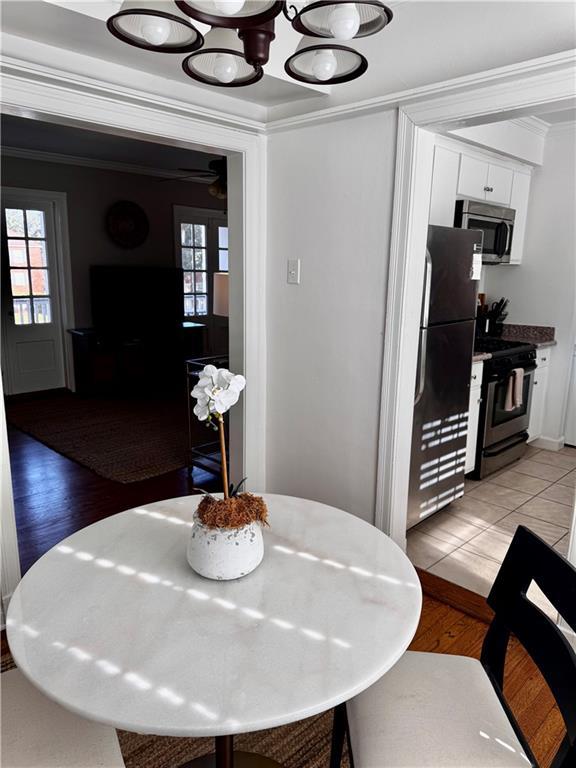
217	391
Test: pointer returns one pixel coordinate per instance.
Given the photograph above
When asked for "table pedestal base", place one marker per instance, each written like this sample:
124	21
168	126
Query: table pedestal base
240	760
226	757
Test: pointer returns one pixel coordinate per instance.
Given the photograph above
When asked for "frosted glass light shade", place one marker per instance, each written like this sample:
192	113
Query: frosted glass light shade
155	26
220	302
231	13
206	65
327	18
324	62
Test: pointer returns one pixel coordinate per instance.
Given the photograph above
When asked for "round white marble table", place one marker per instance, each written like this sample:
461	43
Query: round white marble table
114	625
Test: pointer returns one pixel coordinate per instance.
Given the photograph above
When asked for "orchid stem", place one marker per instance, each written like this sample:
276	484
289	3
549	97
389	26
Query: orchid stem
223	452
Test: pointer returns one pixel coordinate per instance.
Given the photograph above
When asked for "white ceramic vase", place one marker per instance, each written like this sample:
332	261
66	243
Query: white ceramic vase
225	553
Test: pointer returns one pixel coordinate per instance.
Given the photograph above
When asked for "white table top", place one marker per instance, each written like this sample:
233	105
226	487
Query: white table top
114	625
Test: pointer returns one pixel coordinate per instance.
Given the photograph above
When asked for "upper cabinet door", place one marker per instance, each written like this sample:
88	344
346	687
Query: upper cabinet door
499	184
473	178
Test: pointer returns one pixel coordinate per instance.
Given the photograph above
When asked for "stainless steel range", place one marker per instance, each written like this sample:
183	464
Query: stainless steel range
502	429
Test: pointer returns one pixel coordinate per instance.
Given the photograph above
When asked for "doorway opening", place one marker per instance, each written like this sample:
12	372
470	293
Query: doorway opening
478	493
116	251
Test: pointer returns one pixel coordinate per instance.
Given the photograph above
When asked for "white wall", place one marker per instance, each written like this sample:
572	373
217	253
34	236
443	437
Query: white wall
90	193
542	290
330	204
511	137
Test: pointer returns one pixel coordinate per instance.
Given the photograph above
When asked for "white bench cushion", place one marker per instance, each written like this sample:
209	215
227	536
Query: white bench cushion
37	732
432	711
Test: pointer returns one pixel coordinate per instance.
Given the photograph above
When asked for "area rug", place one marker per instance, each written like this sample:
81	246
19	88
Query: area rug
305	744
121	439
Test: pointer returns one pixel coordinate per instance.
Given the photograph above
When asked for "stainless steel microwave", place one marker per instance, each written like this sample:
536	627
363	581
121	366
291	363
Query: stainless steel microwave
495	222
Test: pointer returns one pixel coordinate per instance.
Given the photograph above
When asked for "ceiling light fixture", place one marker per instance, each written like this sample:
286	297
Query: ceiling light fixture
155	26
338	19
324	62
221	61
238	45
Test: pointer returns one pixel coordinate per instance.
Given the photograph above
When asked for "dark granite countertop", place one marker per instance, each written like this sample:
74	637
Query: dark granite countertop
540	335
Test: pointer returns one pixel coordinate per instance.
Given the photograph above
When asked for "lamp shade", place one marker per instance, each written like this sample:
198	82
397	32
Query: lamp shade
232	14
220	299
339	19
154	26
221	61
324	62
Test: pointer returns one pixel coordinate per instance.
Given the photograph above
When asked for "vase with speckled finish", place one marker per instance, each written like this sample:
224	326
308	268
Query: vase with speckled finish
225	553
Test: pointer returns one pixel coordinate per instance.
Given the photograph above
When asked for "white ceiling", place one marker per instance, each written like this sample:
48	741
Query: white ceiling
426	42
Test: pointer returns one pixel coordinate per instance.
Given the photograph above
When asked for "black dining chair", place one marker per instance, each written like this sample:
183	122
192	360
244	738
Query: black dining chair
439	711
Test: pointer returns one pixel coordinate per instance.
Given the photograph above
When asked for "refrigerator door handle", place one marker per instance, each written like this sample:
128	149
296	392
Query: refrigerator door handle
426	292
421	370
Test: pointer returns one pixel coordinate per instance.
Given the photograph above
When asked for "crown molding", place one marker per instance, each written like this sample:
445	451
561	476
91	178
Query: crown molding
39	155
568	127
558	66
21	70
557	73
532	124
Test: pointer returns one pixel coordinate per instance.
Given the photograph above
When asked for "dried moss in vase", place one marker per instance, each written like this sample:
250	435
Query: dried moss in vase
233	512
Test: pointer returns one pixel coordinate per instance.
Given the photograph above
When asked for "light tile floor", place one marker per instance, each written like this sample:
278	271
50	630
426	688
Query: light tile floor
466	542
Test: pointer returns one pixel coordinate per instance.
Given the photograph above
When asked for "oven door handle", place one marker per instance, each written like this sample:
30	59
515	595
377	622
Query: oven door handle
503	377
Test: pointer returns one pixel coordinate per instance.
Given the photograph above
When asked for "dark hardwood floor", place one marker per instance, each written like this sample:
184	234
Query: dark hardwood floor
54	496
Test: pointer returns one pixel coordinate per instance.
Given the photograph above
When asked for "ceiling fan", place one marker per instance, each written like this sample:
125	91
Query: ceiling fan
216	175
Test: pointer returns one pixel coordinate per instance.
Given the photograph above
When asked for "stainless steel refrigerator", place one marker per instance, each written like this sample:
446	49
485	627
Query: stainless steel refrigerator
445	352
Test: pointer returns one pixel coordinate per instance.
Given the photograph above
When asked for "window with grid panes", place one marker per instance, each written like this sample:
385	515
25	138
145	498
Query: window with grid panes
202	249
28	264
194	259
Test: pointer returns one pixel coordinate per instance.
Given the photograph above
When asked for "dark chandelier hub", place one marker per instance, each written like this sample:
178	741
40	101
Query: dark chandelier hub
234	51
257	43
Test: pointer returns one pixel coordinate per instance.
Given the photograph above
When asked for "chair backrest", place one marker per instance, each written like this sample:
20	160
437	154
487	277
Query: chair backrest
529	559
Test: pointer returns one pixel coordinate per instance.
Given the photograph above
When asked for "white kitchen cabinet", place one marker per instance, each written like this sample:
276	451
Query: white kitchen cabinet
519	202
473	414
499	184
486	181
538	404
473	177
444	186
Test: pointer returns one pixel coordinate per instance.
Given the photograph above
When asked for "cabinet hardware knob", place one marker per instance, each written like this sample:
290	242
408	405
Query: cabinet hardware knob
535	383
488	189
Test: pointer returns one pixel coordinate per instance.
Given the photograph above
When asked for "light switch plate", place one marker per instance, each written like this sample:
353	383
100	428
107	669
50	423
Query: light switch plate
294	271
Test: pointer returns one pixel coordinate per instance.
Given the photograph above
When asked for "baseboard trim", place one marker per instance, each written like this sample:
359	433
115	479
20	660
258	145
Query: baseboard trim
548	443
455	596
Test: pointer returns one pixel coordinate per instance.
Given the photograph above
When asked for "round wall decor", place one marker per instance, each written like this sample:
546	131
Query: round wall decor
127	224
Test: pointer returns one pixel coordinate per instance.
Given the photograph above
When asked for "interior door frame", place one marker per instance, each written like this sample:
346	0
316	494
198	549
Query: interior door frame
59	201
542	88
28	91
